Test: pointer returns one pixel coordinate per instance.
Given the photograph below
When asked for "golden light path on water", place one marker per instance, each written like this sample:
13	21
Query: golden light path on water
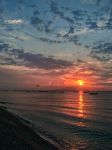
81	104
74	106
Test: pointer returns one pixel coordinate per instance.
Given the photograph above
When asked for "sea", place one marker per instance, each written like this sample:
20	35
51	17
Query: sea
71	120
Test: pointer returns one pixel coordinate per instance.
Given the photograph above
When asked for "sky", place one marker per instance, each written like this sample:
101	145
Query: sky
54	43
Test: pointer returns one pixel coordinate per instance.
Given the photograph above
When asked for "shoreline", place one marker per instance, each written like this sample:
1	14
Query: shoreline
27	122
16	134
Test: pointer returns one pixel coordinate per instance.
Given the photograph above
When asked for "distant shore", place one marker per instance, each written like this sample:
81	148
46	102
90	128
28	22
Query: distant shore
15	135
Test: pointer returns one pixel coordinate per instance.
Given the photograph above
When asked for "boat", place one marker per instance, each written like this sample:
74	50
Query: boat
93	93
86	91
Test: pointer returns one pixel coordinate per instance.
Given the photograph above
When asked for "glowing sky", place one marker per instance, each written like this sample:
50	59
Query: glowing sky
55	43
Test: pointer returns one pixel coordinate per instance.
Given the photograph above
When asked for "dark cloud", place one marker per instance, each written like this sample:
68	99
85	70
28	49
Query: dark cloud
48	28
40	24
70	38
99	56
17	38
103	47
32	60
71	30
55	9
4	47
93	25
39	60
37	22
47	40
74	39
10	61
78	15
68	19
50	41
102	51
109	24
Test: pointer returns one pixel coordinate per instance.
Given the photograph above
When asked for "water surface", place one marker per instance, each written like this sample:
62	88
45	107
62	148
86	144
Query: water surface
73	120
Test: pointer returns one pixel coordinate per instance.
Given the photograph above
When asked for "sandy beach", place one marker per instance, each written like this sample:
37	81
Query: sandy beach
15	135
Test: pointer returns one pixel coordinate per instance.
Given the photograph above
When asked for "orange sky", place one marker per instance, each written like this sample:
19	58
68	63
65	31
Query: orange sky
21	76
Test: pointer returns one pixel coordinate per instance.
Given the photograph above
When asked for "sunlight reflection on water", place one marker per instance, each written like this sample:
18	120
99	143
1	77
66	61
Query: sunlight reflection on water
73	119
81	104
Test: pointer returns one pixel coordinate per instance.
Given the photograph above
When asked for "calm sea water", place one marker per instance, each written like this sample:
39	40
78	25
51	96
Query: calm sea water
73	120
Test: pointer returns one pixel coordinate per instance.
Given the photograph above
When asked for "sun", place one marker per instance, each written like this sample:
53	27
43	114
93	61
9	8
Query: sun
80	82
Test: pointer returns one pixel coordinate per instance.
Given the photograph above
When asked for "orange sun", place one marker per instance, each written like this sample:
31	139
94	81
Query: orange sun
80	82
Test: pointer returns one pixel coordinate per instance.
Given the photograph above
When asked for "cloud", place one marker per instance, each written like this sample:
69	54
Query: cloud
58	12
37	22
48	28
93	25
82	31
46	40
101	24
109	22
39	60
77	22
103	47
100	57
4	47
79	14
20	57
102	51
45	25
71	30
40	25
69	20
50	41
55	9
94	73
15	78
14	21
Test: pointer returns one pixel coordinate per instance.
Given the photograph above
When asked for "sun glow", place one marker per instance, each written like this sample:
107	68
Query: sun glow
80	82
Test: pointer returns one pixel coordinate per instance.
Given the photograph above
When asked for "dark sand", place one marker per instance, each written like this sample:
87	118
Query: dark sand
14	135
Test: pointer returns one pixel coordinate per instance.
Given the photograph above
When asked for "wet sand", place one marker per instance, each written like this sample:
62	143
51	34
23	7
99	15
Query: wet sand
15	135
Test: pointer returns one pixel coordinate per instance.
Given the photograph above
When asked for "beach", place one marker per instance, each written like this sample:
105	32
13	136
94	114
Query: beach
15	135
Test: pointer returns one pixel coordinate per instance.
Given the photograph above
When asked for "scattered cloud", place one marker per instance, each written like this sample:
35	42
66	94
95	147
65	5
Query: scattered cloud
14	21
103	47
102	51
88	22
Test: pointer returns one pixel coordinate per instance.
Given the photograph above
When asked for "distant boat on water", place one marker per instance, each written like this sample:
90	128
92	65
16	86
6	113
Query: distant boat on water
43	91
51	91
93	93
86	91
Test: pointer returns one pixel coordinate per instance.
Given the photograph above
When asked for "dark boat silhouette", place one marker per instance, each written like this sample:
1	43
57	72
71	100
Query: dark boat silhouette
43	91
93	93
86	91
